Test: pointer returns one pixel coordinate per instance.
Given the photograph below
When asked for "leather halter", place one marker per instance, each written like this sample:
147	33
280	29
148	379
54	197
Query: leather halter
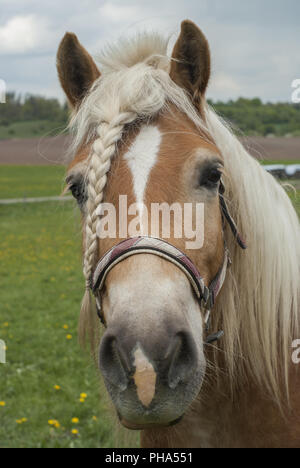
206	295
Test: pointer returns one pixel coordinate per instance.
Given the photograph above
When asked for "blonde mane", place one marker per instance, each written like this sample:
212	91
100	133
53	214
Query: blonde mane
258	307
259	303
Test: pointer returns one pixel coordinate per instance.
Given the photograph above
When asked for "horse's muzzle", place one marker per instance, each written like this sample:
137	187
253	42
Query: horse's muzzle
150	383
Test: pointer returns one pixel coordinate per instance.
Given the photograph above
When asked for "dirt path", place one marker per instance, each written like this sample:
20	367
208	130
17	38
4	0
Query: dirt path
276	148
13	201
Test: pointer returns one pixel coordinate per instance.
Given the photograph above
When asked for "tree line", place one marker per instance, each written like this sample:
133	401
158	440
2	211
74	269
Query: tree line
32	108
251	116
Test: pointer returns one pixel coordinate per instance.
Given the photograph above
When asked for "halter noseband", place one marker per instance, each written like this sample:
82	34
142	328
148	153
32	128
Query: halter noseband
206	295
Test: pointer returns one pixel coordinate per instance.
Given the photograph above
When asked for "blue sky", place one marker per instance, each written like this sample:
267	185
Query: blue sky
255	44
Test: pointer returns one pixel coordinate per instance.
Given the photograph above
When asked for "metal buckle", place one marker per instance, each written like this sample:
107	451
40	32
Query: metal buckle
214	337
207	320
205	297
208	299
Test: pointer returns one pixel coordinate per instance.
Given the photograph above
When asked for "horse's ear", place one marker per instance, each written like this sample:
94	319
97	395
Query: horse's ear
190	65
77	70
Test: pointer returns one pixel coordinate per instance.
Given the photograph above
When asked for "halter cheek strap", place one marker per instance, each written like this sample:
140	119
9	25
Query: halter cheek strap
229	219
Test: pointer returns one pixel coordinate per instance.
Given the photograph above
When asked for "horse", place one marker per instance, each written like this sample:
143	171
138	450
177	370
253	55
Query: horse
197	344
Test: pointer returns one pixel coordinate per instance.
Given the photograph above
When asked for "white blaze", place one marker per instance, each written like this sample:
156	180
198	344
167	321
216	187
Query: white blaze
144	377
141	158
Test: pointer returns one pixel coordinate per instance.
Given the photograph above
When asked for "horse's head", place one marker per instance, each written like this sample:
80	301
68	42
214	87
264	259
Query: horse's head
139	137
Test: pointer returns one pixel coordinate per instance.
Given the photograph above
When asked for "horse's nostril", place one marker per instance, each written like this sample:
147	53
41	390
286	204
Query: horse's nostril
114	363
182	359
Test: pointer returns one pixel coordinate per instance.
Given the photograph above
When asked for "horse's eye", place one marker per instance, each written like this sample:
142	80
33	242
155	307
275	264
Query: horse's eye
78	189
210	175
213	177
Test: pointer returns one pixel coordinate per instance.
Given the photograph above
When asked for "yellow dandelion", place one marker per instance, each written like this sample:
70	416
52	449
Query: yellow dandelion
82	400
69	337
2	403
6	324
54	422
75	431
66	327
57	387
95	418
75	420
83	395
21	421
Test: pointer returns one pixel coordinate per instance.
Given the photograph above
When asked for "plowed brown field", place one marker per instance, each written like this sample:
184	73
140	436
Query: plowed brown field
48	151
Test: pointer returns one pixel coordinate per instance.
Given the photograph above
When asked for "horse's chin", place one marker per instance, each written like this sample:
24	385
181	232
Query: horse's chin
139	427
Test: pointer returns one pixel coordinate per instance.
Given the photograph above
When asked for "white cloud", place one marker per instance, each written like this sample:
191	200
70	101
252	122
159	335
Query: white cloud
119	13
224	85
22	34
253	44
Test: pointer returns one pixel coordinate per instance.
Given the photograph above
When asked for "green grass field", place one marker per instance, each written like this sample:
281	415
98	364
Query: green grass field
279	161
41	288
31	181
31	129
